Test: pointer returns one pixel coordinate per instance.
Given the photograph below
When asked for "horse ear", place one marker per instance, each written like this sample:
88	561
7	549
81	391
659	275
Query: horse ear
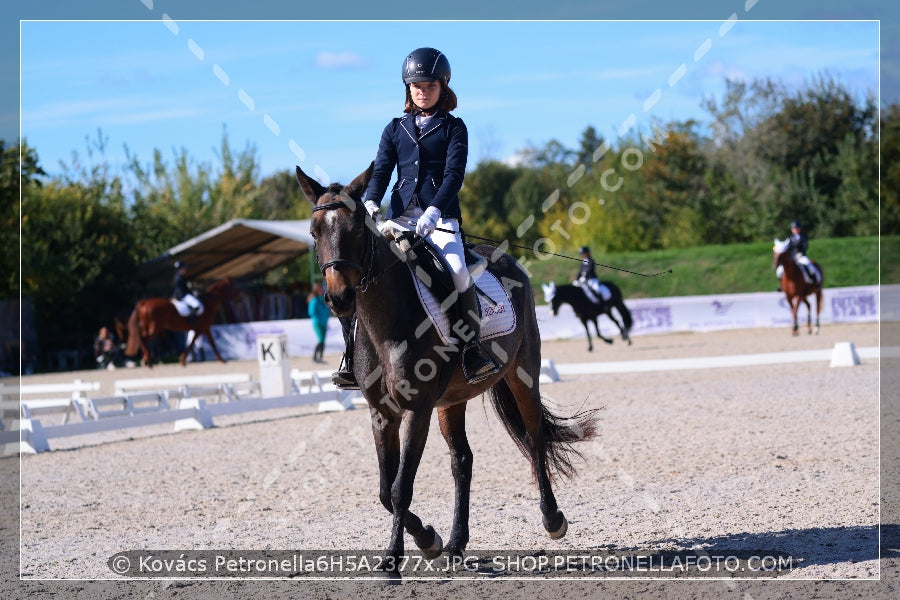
356	187
312	189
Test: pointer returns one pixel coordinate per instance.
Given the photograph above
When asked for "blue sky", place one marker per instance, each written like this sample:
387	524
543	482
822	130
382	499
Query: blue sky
319	93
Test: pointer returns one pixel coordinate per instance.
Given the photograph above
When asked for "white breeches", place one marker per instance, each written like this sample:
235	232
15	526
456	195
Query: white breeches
449	245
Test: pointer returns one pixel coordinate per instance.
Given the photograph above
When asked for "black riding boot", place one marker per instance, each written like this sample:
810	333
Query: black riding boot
477	363
344	378
317	353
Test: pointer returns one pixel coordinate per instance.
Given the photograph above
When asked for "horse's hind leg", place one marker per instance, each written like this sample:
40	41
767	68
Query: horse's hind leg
600	335
624	333
452	420
387	447
524	398
588	332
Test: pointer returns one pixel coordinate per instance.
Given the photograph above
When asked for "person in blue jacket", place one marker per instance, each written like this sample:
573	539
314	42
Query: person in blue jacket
429	147
319	313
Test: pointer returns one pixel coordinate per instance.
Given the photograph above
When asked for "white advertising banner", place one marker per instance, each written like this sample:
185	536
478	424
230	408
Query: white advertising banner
651	315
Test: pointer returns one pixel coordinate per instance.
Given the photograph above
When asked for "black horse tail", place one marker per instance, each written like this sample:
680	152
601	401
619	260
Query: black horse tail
627	320
559	433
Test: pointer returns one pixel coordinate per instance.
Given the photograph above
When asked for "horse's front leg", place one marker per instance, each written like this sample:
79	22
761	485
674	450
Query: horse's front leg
387	446
795	307
588	332
818	309
808	316
452	420
212	343
183	358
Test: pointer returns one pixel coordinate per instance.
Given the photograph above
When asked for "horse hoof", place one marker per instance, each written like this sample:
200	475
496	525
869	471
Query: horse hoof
557	526
436	547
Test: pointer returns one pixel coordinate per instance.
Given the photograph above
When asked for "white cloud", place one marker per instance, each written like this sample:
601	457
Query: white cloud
339	60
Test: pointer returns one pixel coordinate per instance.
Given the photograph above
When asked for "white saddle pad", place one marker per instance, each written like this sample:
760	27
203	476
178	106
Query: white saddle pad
183	308
497	315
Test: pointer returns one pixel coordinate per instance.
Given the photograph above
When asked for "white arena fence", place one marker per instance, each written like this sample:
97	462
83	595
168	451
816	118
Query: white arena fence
192	402
651	316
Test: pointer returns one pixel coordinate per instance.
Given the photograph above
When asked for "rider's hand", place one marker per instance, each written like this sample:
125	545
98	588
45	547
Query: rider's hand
428	221
373	210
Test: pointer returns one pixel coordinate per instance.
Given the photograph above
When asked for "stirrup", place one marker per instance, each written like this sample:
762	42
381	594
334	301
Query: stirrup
487	367
344	380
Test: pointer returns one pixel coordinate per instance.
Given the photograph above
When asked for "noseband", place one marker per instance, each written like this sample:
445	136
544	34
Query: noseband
340	262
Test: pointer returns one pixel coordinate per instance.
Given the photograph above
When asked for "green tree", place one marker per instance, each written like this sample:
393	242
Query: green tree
17	163
890	169
77	249
483	199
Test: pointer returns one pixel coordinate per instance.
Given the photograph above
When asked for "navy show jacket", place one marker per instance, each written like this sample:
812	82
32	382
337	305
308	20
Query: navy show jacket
430	165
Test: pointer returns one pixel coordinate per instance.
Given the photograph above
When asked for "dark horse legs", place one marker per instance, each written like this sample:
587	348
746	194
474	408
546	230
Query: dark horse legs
453	427
398	471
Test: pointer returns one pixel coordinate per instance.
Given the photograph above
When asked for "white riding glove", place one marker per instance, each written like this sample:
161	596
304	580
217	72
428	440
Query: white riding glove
373	210
428	221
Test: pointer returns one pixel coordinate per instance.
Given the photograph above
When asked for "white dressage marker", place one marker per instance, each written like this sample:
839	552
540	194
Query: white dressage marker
844	355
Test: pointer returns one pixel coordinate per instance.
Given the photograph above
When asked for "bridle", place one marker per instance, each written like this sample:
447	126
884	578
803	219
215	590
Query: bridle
365	269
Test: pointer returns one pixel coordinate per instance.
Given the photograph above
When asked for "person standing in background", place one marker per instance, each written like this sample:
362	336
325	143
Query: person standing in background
319	313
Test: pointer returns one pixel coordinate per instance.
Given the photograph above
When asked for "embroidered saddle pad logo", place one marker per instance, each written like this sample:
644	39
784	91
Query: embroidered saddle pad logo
497	315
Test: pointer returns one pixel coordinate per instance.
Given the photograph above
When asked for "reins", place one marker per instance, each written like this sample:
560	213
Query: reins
365	271
497	243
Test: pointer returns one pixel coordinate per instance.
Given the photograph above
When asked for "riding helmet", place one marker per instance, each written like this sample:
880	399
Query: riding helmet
584	250
796	224
426	64
179	264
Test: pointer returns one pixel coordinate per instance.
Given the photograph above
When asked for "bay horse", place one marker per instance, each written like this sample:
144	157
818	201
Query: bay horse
407	373
154	316
795	287
588	311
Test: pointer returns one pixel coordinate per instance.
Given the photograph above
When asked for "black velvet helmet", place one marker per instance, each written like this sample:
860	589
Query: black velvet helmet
797	224
179	264
584	250
426	64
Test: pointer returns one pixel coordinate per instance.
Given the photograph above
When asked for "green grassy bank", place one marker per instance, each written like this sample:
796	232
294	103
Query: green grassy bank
729	269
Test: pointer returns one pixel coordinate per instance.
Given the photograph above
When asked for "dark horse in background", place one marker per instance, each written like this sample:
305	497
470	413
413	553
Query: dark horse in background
407	373
152	317
588	311
795	287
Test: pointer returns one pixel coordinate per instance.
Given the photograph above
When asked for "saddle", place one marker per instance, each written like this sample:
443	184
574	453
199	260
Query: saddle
809	270
434	285
184	309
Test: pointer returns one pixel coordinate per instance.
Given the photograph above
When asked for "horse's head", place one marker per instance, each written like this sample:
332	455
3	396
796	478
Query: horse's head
778	251
550	296
224	289
339	227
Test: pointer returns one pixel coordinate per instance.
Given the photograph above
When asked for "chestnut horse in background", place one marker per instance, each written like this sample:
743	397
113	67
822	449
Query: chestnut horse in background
153	316
795	287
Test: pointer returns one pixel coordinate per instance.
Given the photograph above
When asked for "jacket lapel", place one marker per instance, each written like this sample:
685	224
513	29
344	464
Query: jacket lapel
433	124
408	123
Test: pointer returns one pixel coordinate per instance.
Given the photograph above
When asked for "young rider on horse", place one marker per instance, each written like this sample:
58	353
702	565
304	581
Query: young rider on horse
797	246
429	148
587	278
183	294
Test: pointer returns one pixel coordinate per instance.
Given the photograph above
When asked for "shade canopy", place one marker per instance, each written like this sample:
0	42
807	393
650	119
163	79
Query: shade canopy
238	248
